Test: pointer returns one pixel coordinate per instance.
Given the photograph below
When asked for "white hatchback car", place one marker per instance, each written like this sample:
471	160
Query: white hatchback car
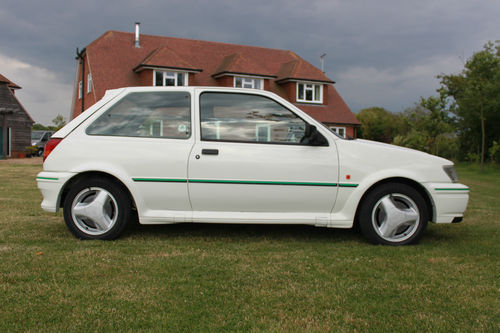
224	155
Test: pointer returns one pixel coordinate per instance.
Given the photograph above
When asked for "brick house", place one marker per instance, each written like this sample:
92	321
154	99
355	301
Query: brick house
15	122
121	59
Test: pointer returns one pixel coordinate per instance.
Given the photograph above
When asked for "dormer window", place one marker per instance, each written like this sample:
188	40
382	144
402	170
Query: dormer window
309	92
168	78
248	82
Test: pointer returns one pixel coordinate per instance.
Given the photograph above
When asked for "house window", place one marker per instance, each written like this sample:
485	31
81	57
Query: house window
339	130
247	82
170	78
89	83
80	89
309	93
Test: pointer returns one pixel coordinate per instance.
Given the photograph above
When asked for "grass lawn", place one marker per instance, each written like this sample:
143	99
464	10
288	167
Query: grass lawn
195	277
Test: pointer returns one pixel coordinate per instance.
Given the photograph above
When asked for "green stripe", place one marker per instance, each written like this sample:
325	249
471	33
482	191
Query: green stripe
451	189
242	182
47	178
348	185
159	180
258	182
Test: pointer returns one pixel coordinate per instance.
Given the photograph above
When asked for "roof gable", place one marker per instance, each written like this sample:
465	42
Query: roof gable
11	84
164	57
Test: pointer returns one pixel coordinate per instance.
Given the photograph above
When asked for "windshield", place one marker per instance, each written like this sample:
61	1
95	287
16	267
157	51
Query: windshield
36	135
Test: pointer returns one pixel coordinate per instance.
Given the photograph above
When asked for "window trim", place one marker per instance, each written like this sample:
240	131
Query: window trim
320	101
164	72
254	79
89	83
251	142
336	128
80	89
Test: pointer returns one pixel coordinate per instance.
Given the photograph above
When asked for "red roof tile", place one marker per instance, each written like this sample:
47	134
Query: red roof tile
165	57
237	63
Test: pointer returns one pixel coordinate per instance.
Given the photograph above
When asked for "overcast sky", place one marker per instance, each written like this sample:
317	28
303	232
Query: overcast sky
381	53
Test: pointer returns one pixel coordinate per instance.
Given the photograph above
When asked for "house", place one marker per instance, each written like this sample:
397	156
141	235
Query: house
15	122
119	59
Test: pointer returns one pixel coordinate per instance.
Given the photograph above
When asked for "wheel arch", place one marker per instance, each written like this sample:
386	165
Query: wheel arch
402	180
90	174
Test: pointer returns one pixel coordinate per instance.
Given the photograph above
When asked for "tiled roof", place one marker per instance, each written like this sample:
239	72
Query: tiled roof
112	59
299	69
237	63
9	83
164	57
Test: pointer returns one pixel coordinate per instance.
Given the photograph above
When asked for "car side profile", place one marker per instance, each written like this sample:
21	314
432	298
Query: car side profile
232	155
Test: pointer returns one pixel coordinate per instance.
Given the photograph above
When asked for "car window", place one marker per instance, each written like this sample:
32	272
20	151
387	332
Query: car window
248	118
163	114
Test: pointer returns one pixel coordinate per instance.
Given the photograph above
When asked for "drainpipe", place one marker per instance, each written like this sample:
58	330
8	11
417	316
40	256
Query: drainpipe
79	56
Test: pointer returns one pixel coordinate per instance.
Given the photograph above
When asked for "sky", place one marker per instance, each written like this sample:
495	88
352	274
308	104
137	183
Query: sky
383	53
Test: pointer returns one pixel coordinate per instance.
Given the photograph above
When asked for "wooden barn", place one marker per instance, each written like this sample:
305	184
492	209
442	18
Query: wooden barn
15	122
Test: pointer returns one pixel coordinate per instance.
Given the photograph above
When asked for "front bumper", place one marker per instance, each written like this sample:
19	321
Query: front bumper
51	185
449	201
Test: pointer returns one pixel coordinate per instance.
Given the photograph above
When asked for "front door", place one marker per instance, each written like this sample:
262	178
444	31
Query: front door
250	164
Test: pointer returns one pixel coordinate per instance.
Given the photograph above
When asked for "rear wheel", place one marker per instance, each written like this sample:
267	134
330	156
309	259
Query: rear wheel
97	209
393	214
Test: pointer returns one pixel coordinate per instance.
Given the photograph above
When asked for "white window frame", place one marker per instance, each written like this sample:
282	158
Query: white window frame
80	89
337	129
89	83
312	87
267	128
171	74
248	80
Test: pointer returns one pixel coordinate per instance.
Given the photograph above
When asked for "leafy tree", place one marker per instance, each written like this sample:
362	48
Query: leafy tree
378	124
58	122
39	127
429	128
475	99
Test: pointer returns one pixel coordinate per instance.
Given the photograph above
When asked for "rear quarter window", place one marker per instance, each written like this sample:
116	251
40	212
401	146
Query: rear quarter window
163	114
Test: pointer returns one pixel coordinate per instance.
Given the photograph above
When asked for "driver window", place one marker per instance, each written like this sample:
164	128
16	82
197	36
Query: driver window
248	118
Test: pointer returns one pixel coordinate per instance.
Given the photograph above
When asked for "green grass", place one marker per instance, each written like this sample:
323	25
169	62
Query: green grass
195	277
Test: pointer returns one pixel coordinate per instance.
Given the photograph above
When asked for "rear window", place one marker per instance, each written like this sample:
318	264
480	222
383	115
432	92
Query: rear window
165	114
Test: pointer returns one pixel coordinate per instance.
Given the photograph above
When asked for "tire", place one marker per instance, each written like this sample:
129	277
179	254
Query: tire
97	208
393	214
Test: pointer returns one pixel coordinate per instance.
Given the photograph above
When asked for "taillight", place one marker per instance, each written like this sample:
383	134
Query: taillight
49	147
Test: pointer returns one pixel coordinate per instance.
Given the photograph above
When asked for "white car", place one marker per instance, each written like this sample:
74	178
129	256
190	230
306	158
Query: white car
231	155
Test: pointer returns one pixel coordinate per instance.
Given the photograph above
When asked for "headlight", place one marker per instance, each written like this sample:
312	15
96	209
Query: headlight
451	172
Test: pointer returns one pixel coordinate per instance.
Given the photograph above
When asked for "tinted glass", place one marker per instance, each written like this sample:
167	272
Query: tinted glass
248	118
151	114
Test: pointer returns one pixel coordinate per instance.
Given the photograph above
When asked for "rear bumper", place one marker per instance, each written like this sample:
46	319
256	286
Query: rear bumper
51	185
449	201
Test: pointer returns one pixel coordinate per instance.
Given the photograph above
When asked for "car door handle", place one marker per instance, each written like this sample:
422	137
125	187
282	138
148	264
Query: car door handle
210	151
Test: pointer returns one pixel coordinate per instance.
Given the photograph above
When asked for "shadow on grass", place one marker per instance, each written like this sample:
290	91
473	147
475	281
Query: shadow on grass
243	232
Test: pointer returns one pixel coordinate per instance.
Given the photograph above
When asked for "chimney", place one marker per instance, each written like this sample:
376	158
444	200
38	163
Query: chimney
322	60
137	34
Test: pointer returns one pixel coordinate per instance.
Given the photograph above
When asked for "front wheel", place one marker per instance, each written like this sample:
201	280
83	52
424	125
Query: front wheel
393	214
97	209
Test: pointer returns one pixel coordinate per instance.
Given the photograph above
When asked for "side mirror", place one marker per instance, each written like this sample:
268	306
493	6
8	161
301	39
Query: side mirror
312	137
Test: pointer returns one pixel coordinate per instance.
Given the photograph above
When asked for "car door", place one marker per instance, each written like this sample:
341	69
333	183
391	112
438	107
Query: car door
249	165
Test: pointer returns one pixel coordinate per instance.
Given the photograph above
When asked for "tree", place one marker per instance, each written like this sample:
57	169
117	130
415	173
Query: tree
429	128
475	99
378	124
59	122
